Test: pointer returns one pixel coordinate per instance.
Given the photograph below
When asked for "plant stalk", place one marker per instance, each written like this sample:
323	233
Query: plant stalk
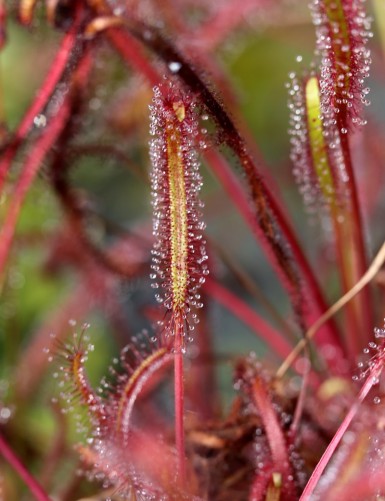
363	300
179	400
32	484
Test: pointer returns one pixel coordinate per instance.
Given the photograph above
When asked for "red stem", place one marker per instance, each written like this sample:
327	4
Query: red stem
179	399
201	385
54	74
244	312
30	169
327	455
275	437
236	193
214	30
131	51
300	405
360	251
260	483
345	251
34	160
32	484
3	18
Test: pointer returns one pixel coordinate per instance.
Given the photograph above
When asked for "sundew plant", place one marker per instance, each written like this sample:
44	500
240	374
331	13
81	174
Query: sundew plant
192	250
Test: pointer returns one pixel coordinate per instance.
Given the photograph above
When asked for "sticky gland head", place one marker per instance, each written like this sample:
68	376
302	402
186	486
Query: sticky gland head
342	33
179	252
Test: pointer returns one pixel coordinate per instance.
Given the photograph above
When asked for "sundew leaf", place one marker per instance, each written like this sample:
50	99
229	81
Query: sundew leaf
179	255
342	29
319	168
